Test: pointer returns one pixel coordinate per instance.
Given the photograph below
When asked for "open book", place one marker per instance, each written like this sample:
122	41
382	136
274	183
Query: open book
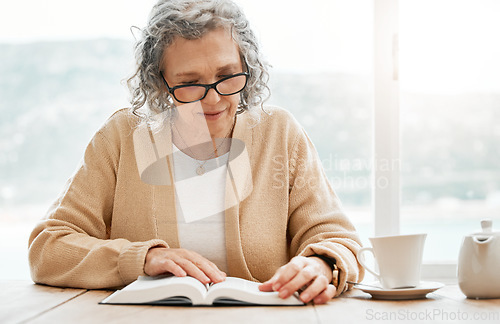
189	291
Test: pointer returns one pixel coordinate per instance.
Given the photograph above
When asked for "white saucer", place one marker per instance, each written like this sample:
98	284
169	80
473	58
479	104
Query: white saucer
418	292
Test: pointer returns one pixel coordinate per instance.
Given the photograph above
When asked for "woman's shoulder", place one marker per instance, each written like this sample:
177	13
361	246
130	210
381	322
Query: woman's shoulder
121	123
271	115
276	113
117	131
122	118
274	119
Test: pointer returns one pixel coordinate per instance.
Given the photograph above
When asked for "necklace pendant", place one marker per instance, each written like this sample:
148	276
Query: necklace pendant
200	170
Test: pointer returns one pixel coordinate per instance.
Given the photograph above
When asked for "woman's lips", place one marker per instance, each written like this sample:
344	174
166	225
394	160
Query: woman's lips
213	115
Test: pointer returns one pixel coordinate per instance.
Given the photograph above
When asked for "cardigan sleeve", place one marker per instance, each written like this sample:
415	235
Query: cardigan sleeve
317	224
70	247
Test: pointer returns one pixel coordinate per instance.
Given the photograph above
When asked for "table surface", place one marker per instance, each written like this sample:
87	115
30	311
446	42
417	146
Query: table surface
25	302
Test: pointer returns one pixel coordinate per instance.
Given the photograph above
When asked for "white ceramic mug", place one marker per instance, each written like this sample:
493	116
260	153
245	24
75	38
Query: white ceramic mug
399	259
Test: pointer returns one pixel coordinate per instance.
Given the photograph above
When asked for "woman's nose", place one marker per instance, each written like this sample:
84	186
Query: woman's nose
212	97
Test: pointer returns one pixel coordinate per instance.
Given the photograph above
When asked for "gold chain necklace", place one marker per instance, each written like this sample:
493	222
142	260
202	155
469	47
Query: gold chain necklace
200	170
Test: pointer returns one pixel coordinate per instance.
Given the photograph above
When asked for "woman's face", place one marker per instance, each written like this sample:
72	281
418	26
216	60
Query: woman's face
205	61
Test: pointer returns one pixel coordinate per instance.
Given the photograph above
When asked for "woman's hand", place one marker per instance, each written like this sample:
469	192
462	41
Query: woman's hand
181	263
310	272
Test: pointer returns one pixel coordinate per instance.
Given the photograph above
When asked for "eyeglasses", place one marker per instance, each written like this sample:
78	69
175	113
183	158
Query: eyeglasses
227	86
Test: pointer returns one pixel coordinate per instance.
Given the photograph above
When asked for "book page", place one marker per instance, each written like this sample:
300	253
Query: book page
155	289
246	291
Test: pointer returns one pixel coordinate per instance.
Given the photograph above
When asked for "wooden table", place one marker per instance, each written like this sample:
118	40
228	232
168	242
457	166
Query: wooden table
25	302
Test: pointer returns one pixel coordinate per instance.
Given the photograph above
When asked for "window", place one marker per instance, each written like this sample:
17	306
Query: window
60	77
450	120
440	97
414	151
322	58
67	82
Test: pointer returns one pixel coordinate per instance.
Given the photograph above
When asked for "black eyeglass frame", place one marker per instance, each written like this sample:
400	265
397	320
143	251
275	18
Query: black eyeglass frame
206	86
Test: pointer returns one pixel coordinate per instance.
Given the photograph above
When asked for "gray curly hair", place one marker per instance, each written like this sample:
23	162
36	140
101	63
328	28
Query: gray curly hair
192	19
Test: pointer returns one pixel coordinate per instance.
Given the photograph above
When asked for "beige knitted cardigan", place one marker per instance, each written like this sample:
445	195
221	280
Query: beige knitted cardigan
97	233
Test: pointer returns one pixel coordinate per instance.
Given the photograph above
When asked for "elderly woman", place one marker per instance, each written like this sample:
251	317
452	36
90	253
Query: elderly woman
198	178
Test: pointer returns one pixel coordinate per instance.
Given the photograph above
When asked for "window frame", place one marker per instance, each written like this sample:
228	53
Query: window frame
386	191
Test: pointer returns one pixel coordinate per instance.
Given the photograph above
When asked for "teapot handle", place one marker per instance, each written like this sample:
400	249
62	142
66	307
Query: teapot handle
482	239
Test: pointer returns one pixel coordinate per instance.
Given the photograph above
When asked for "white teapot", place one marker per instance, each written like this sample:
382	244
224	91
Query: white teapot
479	263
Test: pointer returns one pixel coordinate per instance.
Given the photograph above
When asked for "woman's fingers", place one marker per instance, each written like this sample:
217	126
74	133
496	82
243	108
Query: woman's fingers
302	278
192	270
198	267
172	267
288	272
155	264
213	272
326	295
299	273
314	290
180	263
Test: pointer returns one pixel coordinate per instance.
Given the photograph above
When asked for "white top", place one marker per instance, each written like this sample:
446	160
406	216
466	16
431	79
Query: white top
200	201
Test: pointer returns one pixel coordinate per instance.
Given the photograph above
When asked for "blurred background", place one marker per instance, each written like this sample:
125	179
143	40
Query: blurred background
62	65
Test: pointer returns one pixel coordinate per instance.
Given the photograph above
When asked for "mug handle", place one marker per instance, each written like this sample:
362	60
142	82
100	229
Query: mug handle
361	260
